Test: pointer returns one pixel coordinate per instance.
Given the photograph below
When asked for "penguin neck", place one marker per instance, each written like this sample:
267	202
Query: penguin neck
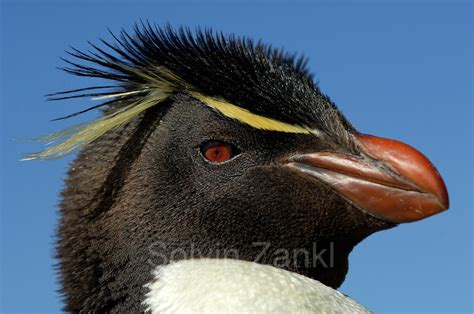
236	286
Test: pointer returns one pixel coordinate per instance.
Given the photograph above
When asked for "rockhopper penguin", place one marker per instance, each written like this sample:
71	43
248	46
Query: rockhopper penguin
218	164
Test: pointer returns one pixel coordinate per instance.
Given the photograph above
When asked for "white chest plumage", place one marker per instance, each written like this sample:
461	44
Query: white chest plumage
235	286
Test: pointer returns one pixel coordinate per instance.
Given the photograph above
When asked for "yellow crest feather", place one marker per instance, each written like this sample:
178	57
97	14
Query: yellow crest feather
244	116
78	136
161	85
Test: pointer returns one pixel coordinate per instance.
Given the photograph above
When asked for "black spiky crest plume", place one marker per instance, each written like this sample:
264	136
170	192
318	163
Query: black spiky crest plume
253	83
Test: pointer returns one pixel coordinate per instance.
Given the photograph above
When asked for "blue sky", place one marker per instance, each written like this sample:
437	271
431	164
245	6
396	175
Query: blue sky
397	69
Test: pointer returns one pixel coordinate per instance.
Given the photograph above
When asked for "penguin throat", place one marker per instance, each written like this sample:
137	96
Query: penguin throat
236	286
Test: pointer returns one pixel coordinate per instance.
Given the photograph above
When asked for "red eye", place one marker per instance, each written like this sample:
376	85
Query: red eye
217	152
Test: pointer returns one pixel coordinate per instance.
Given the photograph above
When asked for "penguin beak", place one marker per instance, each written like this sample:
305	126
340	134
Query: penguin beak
391	180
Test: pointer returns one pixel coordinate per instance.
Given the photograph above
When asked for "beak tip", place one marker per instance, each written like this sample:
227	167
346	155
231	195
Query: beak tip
411	164
444	201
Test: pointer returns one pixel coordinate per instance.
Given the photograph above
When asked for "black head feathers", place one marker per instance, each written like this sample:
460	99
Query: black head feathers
253	83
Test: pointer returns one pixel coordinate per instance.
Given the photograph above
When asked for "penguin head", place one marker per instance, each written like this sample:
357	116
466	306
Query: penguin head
214	146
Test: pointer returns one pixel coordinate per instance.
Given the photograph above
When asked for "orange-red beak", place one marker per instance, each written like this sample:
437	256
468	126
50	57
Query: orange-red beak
392	181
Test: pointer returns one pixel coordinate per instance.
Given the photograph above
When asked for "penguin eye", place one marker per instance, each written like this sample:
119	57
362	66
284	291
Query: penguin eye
218	152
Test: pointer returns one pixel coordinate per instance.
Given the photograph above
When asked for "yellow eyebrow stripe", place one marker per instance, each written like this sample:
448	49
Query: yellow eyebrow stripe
160	87
244	116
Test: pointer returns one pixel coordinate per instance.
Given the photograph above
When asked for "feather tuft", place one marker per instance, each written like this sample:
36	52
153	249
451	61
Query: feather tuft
74	138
